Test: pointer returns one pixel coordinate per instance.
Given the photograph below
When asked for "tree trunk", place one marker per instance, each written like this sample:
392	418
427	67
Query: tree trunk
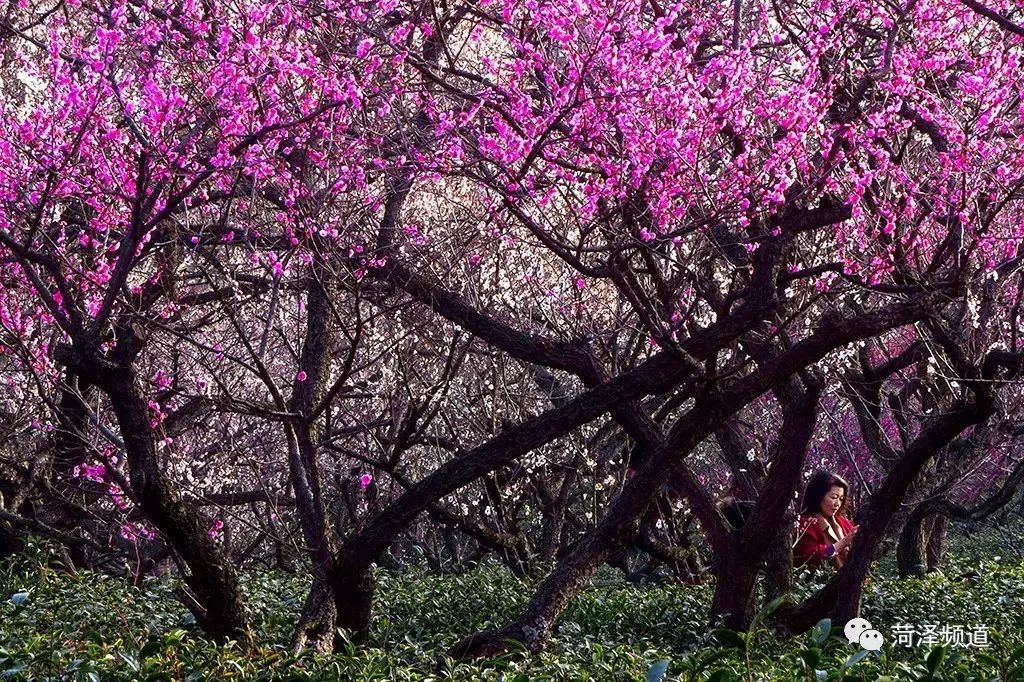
218	605
315	628
554	516
738	560
778	569
71	445
935	548
910	556
534	626
736	577
214	595
11	543
353	598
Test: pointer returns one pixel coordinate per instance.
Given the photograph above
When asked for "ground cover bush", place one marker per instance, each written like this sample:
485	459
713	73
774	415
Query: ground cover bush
89	626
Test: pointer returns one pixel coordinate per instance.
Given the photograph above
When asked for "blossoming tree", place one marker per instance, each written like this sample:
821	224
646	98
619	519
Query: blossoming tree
647	215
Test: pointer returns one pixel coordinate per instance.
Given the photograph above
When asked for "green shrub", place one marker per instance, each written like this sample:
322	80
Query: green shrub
86	626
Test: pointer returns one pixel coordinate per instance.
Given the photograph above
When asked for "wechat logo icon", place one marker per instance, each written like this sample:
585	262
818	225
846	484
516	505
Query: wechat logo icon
859	631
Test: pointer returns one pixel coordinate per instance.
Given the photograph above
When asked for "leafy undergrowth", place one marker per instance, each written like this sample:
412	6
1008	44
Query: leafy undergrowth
91	627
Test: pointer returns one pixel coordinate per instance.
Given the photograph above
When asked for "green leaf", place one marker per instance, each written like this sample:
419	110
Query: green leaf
934	659
821	630
515	645
811	657
988	659
768	609
132	662
855	659
710	658
730	638
150	648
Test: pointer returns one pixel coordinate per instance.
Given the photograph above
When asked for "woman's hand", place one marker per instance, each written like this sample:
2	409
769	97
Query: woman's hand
846	539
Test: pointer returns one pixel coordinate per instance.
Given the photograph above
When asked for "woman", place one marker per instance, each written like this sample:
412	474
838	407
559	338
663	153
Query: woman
823	534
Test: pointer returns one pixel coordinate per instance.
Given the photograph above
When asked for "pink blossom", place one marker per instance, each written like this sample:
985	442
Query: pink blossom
364	481
216	530
90	472
117	496
364	46
156	413
162	380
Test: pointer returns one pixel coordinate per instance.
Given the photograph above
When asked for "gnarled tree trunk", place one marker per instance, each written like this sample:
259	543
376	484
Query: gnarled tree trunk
211	575
315	628
738	558
215	597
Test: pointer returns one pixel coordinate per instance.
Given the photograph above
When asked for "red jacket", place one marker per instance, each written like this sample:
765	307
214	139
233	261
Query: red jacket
812	541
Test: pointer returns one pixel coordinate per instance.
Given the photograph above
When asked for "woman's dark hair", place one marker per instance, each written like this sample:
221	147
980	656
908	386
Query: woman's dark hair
820	483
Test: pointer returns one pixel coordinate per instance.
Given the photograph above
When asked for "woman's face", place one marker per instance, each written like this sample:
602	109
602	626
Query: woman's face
832	501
